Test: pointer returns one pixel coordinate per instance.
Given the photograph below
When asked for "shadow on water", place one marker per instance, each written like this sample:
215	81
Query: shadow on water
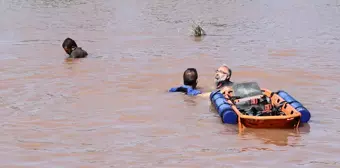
278	137
189	101
70	61
201	38
198	38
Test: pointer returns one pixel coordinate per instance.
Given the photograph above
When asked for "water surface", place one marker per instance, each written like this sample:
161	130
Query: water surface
112	110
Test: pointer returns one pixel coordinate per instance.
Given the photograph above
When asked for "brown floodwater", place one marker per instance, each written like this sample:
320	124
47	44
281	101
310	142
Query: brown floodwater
112	109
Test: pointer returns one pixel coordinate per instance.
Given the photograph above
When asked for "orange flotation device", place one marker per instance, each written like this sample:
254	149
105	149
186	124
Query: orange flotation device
255	107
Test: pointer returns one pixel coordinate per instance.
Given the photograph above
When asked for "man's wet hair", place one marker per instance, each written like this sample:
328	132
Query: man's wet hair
190	76
69	43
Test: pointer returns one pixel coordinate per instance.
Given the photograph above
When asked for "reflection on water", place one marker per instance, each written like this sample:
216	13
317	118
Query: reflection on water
279	137
198	39
112	109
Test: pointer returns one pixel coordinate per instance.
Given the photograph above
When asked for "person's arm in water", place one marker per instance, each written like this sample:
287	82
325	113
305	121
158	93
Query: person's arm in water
207	93
204	94
224	90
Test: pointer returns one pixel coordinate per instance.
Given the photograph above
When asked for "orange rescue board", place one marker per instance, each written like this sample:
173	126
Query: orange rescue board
291	119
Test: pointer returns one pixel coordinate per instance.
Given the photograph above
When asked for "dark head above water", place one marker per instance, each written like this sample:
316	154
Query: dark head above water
69	45
72	49
190	77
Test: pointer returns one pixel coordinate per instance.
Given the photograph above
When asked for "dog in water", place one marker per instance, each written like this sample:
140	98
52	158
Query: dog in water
198	30
71	48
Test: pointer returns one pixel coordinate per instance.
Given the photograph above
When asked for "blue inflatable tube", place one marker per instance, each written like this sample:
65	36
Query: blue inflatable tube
305	114
223	108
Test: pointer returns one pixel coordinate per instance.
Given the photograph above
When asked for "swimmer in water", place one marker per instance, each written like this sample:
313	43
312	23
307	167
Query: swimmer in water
222	80
190	77
71	48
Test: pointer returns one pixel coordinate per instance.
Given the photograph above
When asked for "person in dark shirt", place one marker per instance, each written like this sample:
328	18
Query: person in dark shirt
190	77
71	48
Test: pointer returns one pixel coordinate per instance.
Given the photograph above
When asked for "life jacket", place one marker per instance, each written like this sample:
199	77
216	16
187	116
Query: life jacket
186	89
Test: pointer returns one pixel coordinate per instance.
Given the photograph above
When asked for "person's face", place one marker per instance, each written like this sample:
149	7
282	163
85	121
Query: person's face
68	51
221	74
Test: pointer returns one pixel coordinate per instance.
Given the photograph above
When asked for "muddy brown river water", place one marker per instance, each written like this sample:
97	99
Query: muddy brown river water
112	109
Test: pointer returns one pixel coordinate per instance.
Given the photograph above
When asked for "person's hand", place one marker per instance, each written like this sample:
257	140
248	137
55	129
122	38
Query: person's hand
227	92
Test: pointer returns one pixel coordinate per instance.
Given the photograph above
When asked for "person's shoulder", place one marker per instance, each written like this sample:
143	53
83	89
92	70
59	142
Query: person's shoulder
194	92
79	53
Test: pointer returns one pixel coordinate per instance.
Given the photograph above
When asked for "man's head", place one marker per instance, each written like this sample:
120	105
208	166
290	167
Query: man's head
223	74
68	45
190	76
